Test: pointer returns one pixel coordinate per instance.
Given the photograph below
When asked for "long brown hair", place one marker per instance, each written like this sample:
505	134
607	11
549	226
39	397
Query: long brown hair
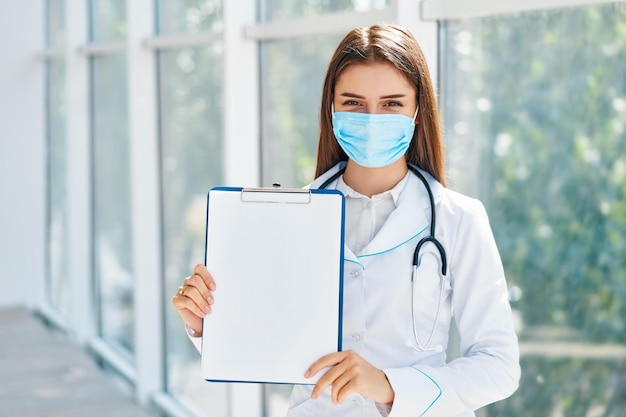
395	45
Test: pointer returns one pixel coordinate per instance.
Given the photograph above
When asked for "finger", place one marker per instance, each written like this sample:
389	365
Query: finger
206	276
325	361
198	299
182	302
328	379
337	364
348	371
343	388
197	282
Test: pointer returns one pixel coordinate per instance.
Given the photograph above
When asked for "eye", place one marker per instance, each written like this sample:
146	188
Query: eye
351	103
394	104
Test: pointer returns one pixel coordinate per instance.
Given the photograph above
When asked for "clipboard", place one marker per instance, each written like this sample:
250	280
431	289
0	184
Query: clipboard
277	259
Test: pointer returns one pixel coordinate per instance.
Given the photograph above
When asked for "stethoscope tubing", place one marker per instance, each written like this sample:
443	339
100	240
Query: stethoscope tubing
428	239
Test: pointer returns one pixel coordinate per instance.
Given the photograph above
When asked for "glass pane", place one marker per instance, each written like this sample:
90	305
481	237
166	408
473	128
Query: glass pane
292	75
288	9
191	146
535	108
188	16
108	19
58	285
276	398
55	10
112	201
57	269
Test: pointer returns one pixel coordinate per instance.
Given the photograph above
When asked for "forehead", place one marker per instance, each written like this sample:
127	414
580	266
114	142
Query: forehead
376	78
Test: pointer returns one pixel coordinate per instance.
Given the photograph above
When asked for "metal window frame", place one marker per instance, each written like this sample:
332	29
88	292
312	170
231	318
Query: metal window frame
182	40
106	351
324	24
434	10
50	54
102	48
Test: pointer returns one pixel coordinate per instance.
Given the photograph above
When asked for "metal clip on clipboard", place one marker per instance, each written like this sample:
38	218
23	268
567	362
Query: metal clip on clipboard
276	195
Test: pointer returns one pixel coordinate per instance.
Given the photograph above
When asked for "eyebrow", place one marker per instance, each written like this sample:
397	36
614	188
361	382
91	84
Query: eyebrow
352	95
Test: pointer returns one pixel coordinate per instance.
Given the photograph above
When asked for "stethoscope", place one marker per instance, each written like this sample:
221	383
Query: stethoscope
416	262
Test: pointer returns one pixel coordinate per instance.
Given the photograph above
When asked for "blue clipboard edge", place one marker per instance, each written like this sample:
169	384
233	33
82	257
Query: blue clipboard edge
341	264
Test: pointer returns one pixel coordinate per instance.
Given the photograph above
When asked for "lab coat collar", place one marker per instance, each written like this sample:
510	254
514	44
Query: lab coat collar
410	219
394	193
326	175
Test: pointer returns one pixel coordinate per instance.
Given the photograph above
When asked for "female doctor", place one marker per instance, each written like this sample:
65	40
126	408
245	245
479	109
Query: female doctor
409	271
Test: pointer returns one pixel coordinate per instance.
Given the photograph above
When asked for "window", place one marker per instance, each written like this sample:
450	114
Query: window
189	16
289	9
108	20
191	130
291	84
58	285
111	197
535	109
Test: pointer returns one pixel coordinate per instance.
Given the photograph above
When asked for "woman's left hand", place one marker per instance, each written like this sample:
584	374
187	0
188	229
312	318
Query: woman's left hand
350	373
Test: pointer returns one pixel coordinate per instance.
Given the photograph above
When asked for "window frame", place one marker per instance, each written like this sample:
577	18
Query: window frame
434	10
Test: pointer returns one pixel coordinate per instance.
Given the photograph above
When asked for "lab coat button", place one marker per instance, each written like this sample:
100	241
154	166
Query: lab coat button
356	336
356	273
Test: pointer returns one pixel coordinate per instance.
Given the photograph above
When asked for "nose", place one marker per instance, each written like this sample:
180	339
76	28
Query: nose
372	108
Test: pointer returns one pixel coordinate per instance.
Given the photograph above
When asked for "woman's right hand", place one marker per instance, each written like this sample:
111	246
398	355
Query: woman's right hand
194	298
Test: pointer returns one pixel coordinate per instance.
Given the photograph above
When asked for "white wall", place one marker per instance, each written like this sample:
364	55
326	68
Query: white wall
22	153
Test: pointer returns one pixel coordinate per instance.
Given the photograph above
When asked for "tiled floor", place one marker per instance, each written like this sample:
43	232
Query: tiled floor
44	374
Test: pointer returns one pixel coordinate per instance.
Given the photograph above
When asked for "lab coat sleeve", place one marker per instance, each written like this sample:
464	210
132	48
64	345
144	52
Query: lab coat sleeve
197	341
488	369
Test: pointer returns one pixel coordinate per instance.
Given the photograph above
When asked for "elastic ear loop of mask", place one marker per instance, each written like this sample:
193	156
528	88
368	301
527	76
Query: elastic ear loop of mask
415	115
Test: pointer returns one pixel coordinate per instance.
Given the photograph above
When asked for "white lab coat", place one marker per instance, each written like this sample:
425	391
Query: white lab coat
377	311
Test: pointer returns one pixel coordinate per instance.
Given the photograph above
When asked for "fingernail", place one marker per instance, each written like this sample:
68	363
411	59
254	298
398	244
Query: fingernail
212	287
207	310
306	374
210	300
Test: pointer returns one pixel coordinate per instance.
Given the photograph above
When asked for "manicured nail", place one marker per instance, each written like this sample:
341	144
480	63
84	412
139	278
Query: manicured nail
210	300
207	310
212	286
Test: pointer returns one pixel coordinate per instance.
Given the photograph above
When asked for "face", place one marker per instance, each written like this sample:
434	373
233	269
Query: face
374	88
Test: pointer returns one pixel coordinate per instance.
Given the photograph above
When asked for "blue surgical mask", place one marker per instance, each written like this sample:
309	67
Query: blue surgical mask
373	140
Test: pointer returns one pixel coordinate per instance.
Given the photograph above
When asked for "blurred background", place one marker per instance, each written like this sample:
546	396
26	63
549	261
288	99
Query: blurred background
117	117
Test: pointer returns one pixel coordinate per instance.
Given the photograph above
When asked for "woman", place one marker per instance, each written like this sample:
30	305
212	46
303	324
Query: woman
379	132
